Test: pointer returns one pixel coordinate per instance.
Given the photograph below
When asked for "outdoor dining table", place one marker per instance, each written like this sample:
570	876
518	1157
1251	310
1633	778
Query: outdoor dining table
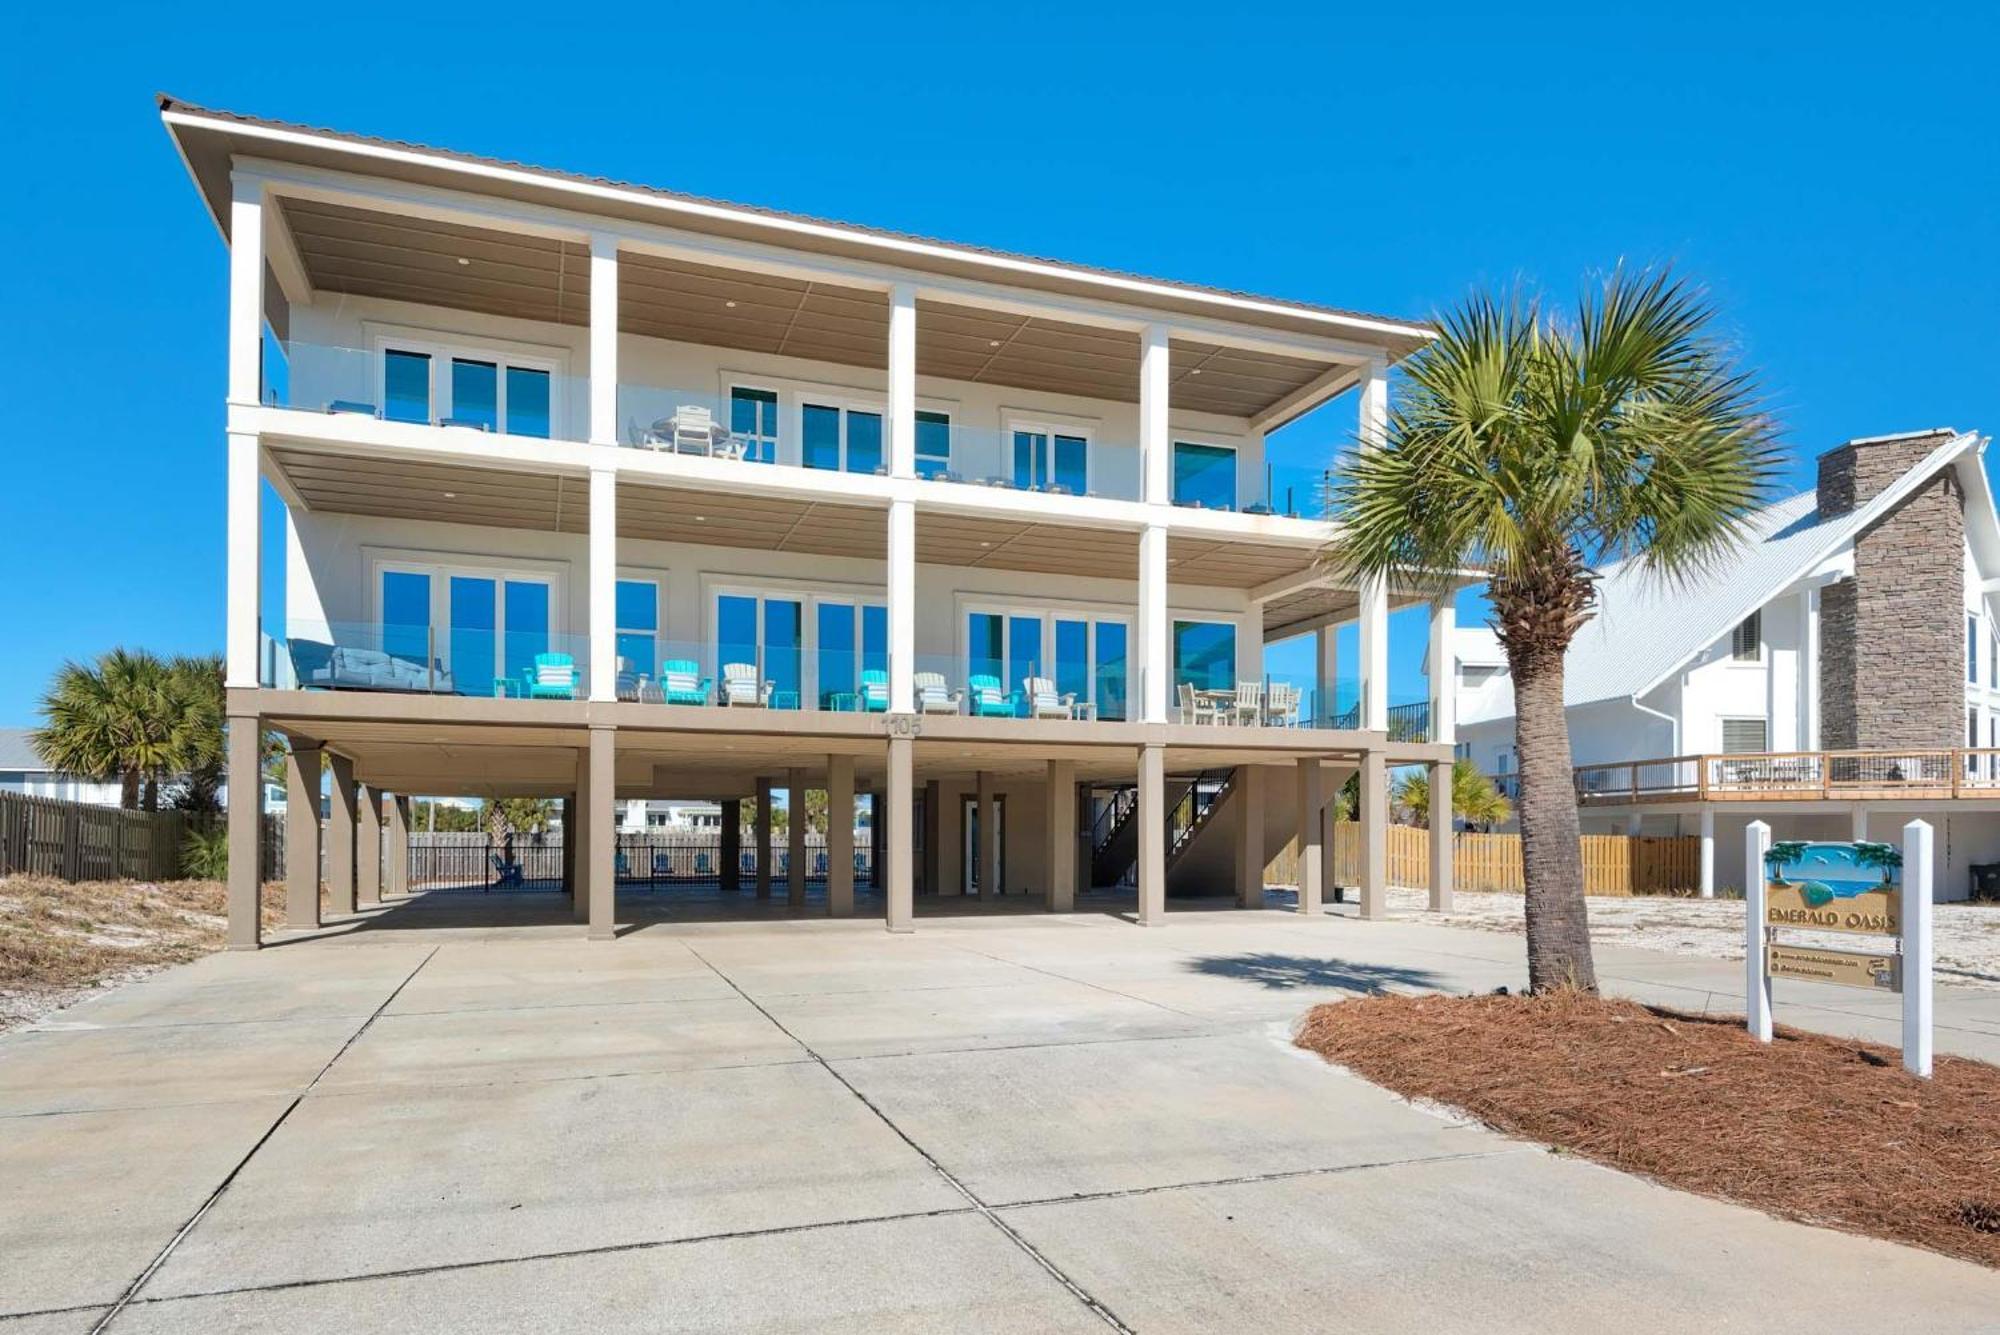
662	435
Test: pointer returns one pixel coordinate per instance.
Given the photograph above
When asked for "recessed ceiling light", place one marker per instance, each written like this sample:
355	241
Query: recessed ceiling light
701	519
985	544
1196	371
451	495
992	342
730	304
463	260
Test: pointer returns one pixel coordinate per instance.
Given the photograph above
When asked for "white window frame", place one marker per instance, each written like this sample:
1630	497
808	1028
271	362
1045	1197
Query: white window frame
731	384
441	568
1202	438
443	347
1722	723
1051	426
809	595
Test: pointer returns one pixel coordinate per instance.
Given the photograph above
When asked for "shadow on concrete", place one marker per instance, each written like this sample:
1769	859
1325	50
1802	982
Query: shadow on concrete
1283	972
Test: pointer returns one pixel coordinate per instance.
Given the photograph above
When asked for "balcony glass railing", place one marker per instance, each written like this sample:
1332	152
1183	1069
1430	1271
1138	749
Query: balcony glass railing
436	387
424	660
1288	489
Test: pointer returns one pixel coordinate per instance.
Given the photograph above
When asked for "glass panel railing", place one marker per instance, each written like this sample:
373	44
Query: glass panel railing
677	419
1021	688
1288	489
428	660
1030	459
441	388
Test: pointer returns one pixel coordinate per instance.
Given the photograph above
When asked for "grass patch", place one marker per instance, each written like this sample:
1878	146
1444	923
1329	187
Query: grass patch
61	939
1821	1130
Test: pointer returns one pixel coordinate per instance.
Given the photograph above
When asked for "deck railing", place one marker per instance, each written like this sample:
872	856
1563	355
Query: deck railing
1795	775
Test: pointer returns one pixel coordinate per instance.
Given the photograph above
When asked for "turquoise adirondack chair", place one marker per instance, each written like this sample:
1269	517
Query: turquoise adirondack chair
989	698
681	682
553	677
875	691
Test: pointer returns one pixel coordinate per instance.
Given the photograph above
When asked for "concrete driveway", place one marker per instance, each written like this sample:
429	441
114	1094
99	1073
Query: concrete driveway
999	1123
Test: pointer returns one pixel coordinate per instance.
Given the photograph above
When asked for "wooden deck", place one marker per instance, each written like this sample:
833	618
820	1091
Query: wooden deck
1793	776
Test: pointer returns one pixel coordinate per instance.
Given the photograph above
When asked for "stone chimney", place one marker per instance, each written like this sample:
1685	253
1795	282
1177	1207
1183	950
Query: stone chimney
1892	638
1856	473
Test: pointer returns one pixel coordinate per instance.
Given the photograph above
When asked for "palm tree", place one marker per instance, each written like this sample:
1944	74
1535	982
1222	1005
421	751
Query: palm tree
1474	799
1536	447
121	717
1885	857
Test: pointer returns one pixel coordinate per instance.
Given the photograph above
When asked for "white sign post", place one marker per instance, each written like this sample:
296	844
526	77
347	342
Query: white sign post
1757	981
1917	948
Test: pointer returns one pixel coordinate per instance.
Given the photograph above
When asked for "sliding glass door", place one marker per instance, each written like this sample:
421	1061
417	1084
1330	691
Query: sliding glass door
482	628
853	638
766	631
1084	656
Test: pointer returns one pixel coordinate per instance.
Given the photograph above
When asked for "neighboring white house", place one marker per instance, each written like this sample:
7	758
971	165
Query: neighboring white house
604	492
22	770
1837	676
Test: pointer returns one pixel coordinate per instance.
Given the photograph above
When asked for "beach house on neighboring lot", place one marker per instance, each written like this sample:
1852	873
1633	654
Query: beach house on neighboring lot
602	492
1837	677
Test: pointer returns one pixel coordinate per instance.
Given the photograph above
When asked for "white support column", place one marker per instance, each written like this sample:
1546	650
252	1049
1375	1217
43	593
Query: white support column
1756	982
1373	613
1152	835
1708	852
246	291
902	380
1326	656
840	836
1312	835
1250	836
1857	823
603	339
603	584
1918	849
1060	821
902	598
244	582
1444	672
1155	660
795	838
1809	670
1155	450
900	891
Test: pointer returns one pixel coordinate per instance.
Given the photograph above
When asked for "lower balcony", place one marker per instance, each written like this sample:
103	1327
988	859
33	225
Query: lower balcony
1790	776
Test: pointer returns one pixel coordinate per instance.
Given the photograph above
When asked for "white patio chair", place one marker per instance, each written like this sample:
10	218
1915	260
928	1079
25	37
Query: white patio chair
1249	703
1195	708
694	429
1043	700
934	696
1281	710
741	688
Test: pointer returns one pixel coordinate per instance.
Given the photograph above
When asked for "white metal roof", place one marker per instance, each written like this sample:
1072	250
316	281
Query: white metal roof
17	750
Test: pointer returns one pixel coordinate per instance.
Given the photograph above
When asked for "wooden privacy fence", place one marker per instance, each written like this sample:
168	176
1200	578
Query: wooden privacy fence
75	841
1613	864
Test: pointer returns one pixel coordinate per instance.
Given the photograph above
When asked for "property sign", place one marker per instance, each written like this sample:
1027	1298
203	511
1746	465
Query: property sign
1848	968
1857	888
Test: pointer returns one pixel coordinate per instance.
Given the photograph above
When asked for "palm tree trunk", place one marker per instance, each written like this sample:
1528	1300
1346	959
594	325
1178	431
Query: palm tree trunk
128	791
1551	849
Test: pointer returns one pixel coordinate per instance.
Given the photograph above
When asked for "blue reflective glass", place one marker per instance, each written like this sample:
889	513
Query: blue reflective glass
821	427
475	393
1111	687
474	610
933	444
984	647
753	415
527	402
527	625
1028	447
735	630
838	674
1024	652
864	442
406	614
1204	475
783	623
406	382
875	638
1072	674
1072	468
640	652
1205	655
638	604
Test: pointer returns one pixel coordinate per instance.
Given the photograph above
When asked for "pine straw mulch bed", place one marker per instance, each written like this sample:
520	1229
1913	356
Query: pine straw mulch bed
1822	1130
62	940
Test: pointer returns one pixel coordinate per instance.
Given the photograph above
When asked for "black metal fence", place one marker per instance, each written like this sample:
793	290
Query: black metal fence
651	859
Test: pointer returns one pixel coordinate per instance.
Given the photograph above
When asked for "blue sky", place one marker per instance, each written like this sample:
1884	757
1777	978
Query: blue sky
1829	172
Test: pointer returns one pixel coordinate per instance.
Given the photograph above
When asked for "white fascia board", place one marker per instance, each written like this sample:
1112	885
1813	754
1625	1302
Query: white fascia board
1138	288
1845	529
1982	524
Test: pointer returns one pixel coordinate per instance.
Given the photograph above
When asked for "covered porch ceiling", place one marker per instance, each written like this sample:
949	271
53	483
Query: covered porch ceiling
344	249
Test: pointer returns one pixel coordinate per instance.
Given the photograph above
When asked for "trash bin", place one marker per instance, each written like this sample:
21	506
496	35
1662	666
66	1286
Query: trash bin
1986	880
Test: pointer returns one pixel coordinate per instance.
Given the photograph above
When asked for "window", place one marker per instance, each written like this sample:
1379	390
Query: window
1051	461
1971	727
1205	655
853	639
753	419
1082	654
933	444
1743	736
483	627
1972	649
841	439
1204	475
638	625
478	389
1746	645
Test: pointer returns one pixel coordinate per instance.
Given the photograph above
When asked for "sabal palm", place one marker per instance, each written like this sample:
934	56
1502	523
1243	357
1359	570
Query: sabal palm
124	717
1537	447
1473	796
